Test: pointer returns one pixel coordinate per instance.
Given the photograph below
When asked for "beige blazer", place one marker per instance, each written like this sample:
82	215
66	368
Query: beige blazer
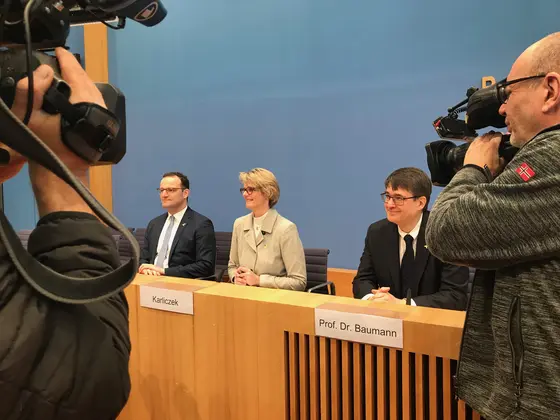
278	257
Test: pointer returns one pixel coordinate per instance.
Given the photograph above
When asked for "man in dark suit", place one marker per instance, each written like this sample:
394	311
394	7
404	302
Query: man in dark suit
181	242
395	257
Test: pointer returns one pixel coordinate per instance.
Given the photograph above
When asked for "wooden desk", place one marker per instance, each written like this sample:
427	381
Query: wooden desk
251	353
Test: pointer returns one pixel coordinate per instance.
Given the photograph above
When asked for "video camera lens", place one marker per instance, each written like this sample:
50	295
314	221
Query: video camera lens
445	158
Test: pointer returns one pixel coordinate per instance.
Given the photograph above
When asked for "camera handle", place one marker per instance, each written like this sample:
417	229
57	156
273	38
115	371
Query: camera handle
87	129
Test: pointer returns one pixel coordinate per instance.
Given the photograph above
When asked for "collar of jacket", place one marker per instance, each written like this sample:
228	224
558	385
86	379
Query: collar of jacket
267	224
546	130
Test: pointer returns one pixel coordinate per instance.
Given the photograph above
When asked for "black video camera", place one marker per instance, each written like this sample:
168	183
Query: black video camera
444	157
29	28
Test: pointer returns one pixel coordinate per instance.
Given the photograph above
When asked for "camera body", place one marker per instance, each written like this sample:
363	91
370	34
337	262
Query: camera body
30	27
88	129
13	69
50	20
444	157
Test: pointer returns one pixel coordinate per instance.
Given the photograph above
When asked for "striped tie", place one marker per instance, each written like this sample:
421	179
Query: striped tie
165	245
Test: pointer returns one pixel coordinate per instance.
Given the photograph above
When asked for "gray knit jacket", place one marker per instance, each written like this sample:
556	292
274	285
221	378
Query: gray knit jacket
509	229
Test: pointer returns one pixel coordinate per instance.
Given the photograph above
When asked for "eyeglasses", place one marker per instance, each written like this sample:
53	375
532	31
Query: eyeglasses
169	190
248	190
504	94
397	199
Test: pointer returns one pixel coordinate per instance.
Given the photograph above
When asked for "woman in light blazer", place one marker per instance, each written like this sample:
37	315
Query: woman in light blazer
265	249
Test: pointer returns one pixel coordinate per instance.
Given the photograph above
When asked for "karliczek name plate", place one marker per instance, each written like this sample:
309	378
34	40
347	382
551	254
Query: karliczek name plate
172	297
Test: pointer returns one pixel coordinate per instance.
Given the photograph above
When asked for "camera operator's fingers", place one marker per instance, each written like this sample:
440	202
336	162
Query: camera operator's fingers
501	166
484	152
11	163
42	79
496	135
492	137
83	88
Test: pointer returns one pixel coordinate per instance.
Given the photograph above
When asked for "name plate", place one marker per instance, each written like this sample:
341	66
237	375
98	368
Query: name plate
344	323
168	297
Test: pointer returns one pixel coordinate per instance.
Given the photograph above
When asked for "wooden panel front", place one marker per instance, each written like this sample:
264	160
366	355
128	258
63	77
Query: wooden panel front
367	382
162	359
251	353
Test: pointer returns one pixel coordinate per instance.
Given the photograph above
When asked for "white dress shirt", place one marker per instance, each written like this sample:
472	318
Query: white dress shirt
178	217
402	248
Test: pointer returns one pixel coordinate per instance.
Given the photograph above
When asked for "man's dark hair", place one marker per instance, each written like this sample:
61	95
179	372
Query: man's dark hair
183	178
412	179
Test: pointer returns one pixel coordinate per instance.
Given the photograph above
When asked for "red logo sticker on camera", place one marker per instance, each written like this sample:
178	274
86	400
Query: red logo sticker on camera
525	172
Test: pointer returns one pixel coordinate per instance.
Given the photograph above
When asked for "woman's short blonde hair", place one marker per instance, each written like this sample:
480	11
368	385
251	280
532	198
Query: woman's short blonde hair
264	181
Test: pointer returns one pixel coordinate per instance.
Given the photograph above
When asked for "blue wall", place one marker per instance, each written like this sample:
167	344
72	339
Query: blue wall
331	96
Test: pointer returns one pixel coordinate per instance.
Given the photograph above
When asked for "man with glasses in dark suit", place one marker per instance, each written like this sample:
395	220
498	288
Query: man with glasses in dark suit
181	242
396	262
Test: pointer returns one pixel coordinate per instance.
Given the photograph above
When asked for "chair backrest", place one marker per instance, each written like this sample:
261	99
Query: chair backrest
24	236
316	263
139	234
124	248
223	246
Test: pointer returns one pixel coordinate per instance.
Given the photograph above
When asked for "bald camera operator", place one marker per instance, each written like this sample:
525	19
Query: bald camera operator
61	361
509	228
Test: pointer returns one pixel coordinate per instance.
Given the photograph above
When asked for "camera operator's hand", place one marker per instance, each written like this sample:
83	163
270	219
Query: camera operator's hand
14	166
484	151
47	126
52	193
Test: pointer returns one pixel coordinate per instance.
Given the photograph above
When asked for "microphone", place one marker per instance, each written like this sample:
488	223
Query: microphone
408	297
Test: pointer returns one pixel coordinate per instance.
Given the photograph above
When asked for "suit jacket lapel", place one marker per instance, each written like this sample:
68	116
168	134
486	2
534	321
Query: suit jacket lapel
184	222
249	232
421	257
393	260
156	232
267	225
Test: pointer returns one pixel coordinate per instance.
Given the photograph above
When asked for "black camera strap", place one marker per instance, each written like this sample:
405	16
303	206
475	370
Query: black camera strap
45	280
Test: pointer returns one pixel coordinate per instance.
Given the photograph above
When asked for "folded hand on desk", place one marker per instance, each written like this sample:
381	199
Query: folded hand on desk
246	277
151	270
382	295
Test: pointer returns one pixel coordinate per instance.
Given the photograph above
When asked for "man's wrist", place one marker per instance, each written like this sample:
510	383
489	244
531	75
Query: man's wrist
484	170
53	194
